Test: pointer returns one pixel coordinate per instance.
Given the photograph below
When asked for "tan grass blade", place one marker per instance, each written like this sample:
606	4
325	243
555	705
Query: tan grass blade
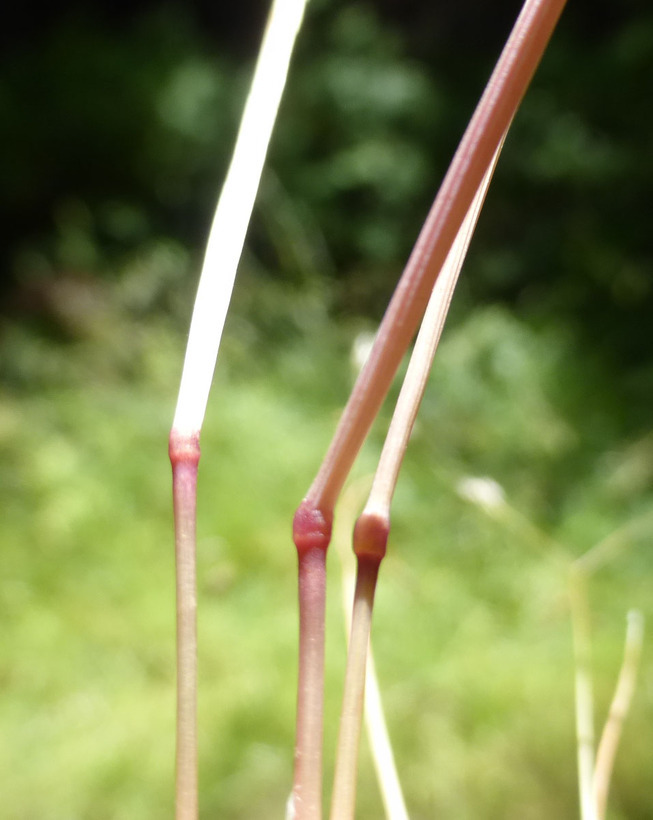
583	691
618	711
373	524
377	731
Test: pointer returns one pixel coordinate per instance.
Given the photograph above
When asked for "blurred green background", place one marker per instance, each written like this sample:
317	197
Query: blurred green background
118	121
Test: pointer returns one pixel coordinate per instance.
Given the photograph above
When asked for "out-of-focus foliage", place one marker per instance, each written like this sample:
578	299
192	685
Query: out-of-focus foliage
117	125
472	626
117	134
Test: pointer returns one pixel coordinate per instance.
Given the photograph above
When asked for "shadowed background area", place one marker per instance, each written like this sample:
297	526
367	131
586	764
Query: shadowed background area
118	121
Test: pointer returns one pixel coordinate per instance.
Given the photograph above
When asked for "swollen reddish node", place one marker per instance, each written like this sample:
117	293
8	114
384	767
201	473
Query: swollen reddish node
371	535
311	528
183	448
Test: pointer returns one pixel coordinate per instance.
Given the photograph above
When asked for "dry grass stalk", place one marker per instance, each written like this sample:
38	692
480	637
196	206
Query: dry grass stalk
618	711
584	698
385	767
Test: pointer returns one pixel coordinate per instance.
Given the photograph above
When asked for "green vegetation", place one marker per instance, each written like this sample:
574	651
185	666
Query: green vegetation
472	630
543	383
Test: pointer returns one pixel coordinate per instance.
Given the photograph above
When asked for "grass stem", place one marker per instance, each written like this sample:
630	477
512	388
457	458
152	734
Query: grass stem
312	534
307	791
223	252
184	456
344	788
375	723
372	528
233	213
381	749
584	698
479	145
618	711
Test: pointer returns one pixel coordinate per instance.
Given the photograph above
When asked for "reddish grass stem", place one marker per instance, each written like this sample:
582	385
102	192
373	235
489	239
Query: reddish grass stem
312	534
184	454
307	797
480	143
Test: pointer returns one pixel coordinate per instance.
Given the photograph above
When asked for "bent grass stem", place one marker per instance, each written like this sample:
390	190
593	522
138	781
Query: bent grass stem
372	528
479	144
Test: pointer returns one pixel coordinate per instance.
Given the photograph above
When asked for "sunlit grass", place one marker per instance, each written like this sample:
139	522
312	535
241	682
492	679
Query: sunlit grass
471	631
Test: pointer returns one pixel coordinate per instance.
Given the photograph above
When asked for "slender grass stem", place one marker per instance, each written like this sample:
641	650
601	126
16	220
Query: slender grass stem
375	723
307	791
615	543
584	698
593	774
312	534
344	788
618	711
382	755
412	391
223	252
233	213
480	142
372	528
184	456
479	145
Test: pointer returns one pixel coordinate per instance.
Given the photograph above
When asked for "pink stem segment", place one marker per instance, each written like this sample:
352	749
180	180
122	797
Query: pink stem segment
184	453
312	534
